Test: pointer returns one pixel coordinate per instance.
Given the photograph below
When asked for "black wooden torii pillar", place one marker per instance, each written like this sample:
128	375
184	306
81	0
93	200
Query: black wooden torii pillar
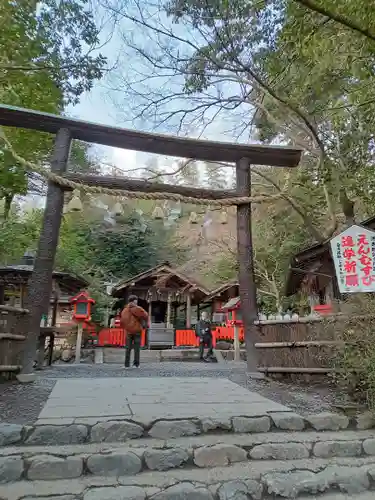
65	129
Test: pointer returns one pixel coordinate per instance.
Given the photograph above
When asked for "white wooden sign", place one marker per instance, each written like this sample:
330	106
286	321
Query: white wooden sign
353	253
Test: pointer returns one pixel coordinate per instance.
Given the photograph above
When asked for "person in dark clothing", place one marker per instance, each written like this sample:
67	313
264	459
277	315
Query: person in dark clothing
203	331
133	320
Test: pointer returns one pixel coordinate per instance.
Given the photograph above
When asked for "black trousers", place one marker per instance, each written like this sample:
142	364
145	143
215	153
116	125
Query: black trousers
206	341
133	342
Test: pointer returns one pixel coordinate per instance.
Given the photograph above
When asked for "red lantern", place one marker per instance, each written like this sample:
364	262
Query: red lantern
82	306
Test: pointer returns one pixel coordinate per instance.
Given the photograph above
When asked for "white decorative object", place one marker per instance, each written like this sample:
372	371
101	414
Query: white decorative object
353	253
295	316
287	317
279	317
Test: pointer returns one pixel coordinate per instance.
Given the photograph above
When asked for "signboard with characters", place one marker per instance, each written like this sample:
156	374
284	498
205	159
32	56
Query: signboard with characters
353	253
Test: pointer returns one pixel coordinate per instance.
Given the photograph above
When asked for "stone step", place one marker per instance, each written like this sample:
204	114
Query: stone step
194	452
334	479
60	431
117	356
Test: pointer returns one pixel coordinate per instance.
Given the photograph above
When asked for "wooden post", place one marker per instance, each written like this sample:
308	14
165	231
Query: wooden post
22	294
236	343
150	311
188	310
169	300
79	342
246	263
40	284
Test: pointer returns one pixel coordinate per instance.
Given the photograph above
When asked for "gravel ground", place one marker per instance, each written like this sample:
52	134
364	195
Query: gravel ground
23	403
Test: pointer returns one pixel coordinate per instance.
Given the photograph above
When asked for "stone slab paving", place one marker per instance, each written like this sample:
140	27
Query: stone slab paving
147	399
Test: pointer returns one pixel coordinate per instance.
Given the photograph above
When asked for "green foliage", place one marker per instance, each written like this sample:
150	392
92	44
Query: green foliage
225	269
90	249
81	159
18	234
355	361
46	62
127	250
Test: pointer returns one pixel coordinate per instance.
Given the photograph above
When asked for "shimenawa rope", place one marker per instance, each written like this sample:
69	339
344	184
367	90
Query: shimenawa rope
67	183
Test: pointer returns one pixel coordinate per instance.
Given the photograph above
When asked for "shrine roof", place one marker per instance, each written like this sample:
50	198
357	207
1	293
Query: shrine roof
219	291
309	260
159	276
232	304
77	282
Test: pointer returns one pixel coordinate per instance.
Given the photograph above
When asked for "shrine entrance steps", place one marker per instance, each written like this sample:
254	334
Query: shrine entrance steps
114	355
276	455
171	438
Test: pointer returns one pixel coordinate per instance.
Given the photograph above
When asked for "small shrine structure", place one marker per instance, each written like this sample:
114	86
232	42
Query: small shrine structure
14	280
312	271
166	293
218	297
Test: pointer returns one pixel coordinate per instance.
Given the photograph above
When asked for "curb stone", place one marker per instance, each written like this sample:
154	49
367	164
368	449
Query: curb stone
184	491
219	455
47	467
115	493
114	464
11	469
10	433
166	459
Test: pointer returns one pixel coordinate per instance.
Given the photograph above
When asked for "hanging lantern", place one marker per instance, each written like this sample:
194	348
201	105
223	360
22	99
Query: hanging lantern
223	217
193	219
75	204
158	213
118	210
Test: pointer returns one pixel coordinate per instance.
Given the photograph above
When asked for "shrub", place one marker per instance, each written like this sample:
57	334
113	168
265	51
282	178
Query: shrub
355	360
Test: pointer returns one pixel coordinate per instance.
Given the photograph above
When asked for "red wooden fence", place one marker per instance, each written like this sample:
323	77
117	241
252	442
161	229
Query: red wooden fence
117	336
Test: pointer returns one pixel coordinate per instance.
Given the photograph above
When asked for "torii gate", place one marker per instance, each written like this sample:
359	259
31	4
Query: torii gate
67	129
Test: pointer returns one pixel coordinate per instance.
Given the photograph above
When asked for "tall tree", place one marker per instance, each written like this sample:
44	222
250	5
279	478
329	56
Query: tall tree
215	176
281	60
47	60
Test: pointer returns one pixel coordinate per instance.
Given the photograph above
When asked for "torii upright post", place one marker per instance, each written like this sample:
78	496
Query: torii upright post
246	278
40	285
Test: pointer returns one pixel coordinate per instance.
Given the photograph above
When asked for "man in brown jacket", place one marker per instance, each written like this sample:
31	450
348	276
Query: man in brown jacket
133	320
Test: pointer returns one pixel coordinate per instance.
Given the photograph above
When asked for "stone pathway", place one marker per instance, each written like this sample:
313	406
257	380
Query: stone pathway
148	399
23	403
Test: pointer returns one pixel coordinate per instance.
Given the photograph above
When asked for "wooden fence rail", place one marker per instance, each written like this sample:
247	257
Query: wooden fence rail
292	345
14	310
11	342
287	347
